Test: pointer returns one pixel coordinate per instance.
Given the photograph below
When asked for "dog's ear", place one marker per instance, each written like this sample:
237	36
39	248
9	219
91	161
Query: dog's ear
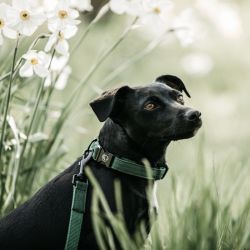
107	104
173	82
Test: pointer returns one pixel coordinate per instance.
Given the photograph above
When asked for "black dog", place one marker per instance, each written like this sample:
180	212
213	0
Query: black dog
140	123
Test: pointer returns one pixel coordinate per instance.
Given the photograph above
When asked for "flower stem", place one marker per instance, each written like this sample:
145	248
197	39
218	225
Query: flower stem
40	94
20	160
8	100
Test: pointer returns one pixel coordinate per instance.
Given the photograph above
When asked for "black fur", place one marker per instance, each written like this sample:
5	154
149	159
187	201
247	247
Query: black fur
130	131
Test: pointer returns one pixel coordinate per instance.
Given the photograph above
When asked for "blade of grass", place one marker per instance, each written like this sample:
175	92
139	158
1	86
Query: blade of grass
7	102
33	116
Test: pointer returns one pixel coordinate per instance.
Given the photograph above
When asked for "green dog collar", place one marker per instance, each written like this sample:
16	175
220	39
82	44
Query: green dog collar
125	165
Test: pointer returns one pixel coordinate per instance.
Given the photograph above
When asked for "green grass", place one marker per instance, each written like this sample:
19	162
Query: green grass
194	213
199	214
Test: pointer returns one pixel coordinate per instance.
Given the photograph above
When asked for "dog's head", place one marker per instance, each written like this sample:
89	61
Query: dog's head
155	111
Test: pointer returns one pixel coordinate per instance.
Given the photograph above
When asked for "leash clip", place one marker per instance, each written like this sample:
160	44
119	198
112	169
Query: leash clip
81	175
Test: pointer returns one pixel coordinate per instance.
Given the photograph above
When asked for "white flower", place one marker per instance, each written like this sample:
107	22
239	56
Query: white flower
59	40
44	6
58	63
131	7
23	18
58	66
187	27
62	16
4	29
37	4
156	12
49	5
81	5
36	62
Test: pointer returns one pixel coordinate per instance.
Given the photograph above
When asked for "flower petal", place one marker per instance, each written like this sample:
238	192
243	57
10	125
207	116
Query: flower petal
43	58
51	42
20	4
12	17
26	28
82	5
41	71
72	22
10	33
63	78
49	5
118	6
1	38
26	70
70	31
58	63
30	54
38	18
62	47
3	9
73	13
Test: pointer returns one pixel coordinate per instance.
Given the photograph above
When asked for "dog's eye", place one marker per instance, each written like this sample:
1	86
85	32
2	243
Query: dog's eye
180	99
150	106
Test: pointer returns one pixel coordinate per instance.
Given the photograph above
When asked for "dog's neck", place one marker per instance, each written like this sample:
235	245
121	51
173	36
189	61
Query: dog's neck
115	140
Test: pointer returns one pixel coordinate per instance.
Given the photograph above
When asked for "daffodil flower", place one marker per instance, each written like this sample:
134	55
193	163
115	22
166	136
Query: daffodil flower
59	40
36	62
4	29
62	16
157	12
23	18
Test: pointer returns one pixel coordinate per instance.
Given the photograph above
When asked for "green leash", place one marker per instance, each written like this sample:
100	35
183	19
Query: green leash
80	185
76	216
80	188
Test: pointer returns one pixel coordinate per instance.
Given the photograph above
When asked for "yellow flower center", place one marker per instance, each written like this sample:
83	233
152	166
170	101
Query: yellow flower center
62	14
24	15
2	23
157	10
34	61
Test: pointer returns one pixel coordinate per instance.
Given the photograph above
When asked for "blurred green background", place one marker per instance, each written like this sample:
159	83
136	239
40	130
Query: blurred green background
222	94
209	174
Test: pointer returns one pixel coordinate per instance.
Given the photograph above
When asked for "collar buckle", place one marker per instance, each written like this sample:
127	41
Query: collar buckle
103	157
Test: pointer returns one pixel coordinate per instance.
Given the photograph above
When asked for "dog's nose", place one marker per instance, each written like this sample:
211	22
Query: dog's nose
193	115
